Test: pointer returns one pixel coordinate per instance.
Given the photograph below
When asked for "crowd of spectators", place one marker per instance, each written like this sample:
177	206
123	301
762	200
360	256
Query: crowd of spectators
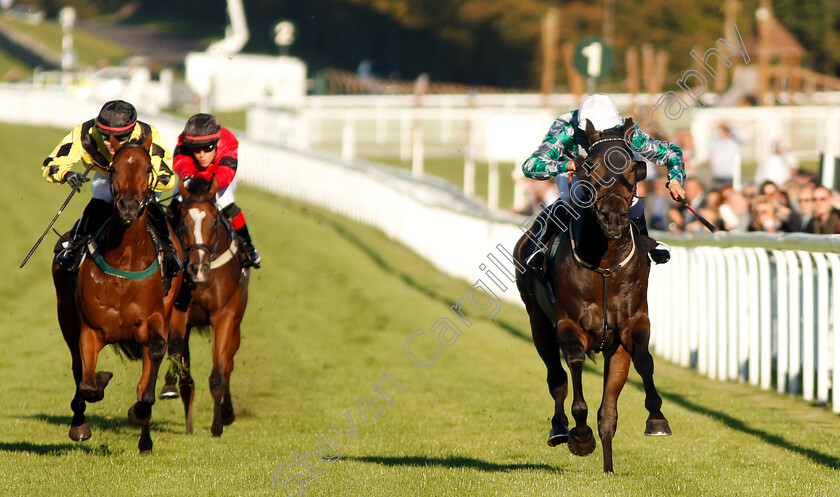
779	197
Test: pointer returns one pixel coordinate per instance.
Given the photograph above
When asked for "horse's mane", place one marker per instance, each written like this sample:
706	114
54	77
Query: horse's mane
198	186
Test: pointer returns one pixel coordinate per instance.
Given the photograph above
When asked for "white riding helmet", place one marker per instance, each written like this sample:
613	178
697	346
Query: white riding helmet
600	110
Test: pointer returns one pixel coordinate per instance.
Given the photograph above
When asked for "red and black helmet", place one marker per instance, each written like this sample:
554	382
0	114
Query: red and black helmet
201	130
117	118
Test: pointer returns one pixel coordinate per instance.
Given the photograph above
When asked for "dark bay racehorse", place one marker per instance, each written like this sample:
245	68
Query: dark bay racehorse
118	295
599	279
215	294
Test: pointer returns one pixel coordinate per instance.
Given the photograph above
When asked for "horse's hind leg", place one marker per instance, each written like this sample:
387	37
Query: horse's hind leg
656	424
616	367
558	385
582	440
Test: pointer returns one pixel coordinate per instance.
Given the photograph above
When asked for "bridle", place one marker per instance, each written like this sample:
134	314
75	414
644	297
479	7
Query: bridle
188	248
149	197
600	199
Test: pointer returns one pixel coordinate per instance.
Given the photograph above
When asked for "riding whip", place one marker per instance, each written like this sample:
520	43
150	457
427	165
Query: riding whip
60	210
702	219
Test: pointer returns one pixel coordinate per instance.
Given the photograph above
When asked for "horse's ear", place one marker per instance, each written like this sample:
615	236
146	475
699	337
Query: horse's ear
640	170
591	133
214	187
148	143
115	144
628	126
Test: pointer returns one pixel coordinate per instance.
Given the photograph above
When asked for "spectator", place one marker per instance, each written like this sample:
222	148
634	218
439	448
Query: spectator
725	155
778	166
782	204
735	212
826	217
805	205
765	217
695	195
656	203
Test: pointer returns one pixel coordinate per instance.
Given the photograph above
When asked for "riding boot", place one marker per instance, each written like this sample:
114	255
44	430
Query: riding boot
657	255
171	262
548	221
251	258
94	215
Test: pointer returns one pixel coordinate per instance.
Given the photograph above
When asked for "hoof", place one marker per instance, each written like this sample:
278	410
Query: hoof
80	433
169	392
558	435
147	452
657	428
102	379
137	420
581	442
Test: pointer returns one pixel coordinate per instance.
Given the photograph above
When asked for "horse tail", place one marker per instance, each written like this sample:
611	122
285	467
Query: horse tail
129	349
204	330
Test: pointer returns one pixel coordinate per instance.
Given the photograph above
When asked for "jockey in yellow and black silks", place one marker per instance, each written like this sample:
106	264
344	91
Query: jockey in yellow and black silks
89	144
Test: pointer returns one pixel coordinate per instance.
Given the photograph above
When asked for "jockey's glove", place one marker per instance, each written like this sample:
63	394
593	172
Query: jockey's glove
75	180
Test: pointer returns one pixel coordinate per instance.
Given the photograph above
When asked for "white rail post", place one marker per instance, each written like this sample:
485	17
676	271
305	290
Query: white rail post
348	138
417	150
493	185
782	320
808	330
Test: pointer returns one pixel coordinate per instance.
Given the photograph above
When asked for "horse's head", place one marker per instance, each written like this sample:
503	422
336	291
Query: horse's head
608	177
200	225
130	178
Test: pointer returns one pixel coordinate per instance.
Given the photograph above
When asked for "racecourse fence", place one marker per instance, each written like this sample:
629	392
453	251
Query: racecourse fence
752	307
757	308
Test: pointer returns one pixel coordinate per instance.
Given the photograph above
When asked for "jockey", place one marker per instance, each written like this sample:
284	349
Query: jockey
207	150
565	142
89	143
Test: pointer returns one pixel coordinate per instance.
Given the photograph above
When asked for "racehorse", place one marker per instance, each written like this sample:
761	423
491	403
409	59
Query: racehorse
215	294
118	294
599	278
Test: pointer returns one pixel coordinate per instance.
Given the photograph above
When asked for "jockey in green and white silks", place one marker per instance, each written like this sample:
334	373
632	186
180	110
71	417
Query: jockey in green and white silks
555	156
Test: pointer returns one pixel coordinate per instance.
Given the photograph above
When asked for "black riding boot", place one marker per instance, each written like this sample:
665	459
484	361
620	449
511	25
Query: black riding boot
94	215
549	221
657	255
171	263
251	256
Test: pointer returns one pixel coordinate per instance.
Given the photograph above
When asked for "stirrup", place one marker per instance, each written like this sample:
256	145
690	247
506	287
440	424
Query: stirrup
251	256
536	260
660	255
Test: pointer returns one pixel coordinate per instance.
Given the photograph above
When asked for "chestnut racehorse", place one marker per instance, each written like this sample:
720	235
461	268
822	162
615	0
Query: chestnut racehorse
118	294
215	293
599	278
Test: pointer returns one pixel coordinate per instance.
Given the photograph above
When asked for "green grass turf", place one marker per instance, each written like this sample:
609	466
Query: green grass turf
328	316
90	49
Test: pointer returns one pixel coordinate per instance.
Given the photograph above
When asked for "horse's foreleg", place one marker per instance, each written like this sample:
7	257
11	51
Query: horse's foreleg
546	343
140	413
225	345
616	367
656	424
92	384
582	441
